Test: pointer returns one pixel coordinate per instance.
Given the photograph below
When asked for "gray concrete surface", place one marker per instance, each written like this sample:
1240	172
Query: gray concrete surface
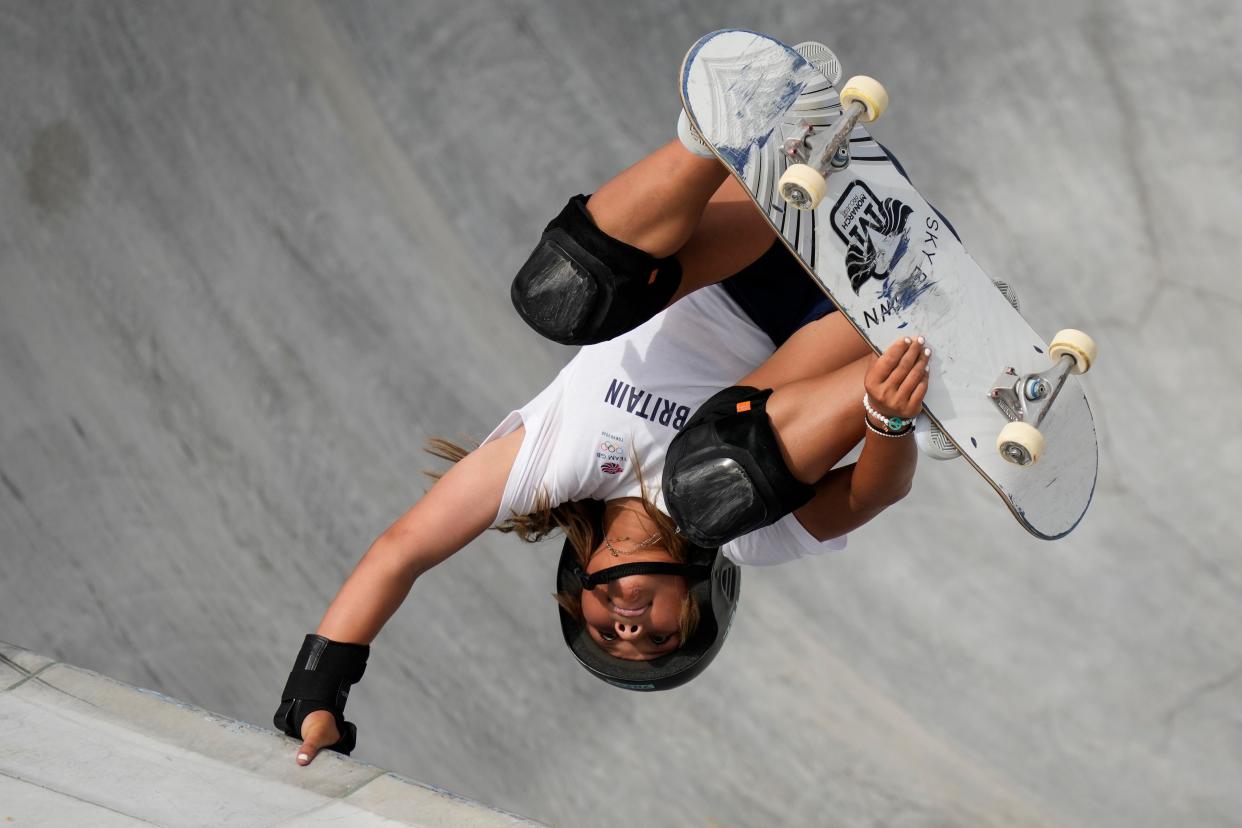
253	253
79	749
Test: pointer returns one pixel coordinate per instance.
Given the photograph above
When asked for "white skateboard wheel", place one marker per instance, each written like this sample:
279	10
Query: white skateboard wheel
803	186
933	442
1076	344
867	91
1020	443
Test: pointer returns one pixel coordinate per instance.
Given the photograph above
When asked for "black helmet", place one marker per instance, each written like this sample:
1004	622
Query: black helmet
714	581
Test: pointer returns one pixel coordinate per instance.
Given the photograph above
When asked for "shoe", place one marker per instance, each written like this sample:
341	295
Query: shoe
690	139
822	58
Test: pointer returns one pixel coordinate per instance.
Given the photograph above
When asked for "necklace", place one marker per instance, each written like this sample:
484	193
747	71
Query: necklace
616	553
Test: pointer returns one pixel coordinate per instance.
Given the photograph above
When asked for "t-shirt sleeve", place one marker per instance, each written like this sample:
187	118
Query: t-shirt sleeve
779	543
527	485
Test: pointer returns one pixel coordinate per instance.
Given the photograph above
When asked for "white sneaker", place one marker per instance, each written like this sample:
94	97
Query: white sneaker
932	441
690	139
822	58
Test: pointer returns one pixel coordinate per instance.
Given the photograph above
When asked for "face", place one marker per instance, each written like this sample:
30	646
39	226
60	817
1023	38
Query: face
638	617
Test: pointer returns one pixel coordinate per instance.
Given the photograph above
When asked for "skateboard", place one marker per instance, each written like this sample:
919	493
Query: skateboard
1008	402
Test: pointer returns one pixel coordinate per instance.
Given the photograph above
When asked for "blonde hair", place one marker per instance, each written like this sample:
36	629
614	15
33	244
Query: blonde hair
581	521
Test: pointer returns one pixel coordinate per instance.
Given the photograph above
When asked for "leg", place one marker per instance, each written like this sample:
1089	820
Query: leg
748	457
729	236
604	265
818	348
816	409
656	204
818	420
724	473
674	202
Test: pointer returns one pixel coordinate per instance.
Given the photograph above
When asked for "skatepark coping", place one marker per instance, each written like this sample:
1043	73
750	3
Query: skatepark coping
78	748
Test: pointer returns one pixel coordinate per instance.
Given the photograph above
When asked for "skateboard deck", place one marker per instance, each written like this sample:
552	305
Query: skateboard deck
892	264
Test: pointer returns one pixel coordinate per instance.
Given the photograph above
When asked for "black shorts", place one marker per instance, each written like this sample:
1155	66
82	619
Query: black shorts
777	294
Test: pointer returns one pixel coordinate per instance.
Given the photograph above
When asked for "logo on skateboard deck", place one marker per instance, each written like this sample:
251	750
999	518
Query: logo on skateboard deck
875	233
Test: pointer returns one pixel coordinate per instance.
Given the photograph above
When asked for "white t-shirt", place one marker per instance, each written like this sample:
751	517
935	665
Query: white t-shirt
617	405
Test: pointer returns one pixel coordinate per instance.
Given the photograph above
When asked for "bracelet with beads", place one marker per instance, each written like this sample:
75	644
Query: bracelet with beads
904	432
891	423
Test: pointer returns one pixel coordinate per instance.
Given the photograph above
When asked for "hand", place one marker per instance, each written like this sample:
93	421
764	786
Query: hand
318	732
897	379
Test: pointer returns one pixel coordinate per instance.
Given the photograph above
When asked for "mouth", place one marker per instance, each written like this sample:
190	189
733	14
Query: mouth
630	613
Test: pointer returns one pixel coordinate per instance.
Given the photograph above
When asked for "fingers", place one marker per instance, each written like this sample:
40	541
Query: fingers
915	376
318	731
307	752
892	356
915	403
897	381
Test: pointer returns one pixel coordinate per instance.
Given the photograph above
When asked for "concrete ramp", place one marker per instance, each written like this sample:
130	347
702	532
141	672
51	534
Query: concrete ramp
77	748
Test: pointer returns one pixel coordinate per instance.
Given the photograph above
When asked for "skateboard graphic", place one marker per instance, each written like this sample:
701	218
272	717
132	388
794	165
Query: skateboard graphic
1000	396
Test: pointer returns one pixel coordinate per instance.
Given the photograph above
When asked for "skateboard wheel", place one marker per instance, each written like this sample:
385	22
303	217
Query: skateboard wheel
933	442
1076	344
803	186
1020	443
867	91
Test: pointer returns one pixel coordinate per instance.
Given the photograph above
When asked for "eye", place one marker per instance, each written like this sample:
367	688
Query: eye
660	639
608	635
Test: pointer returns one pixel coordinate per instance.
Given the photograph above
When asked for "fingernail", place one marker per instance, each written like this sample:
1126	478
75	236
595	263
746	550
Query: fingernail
927	352
303	758
921	340
907	340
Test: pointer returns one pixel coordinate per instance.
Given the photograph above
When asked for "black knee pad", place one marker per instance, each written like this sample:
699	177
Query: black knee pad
724	475
581	286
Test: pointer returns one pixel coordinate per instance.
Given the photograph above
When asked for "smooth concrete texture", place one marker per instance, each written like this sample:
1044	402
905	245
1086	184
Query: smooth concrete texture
77	748
252	254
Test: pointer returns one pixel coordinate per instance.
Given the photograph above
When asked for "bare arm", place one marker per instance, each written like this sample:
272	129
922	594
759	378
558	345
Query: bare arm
458	508
847	497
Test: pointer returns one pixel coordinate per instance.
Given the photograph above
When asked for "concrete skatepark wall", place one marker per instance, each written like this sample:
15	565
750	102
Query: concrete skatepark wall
253	254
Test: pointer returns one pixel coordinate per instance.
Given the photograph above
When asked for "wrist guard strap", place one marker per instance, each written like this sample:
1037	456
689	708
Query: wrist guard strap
320	680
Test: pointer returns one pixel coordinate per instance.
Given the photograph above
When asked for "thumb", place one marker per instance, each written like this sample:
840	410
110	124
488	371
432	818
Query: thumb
307	752
318	731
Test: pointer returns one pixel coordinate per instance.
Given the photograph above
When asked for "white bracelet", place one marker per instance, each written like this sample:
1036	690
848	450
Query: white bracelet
891	423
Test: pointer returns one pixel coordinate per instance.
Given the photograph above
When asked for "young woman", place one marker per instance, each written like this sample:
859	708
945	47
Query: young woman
700	426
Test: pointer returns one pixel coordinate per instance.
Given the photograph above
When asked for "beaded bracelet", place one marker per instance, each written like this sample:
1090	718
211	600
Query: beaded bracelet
905	432
892	423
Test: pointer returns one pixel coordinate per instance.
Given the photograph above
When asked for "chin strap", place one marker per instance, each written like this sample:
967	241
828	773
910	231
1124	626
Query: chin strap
612	573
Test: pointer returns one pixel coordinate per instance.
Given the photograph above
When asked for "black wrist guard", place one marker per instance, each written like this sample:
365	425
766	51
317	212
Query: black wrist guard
322	675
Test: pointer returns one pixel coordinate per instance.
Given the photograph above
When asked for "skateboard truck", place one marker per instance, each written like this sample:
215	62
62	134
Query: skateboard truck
804	185
1026	399
798	147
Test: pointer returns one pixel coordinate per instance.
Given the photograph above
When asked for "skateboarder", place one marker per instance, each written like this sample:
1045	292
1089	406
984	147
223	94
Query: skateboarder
697	428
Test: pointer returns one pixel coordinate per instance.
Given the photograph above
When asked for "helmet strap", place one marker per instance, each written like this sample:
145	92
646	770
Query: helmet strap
613	573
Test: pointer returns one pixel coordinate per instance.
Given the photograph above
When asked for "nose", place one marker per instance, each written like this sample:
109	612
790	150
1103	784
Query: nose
628	631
